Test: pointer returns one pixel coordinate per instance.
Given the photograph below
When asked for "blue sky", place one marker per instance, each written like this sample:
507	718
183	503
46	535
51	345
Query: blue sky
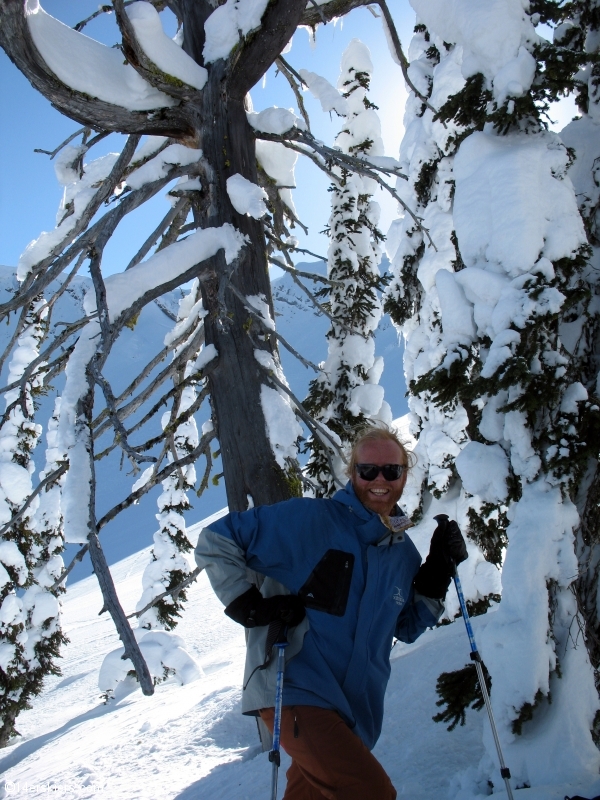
29	193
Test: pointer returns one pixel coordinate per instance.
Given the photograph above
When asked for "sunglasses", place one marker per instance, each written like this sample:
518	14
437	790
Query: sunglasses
390	472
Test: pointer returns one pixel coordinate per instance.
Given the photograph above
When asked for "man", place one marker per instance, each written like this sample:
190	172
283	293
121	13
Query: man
346	579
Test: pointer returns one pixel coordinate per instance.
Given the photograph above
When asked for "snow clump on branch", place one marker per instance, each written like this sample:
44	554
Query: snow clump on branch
246	197
90	67
162	50
229	22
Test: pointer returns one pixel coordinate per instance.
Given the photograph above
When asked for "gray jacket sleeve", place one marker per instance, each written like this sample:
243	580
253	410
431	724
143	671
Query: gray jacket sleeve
225	565
437	607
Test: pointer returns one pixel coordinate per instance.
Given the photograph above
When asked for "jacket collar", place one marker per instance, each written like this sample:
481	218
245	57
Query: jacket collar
347	497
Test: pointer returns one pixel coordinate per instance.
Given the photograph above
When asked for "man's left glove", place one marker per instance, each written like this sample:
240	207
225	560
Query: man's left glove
251	609
446	551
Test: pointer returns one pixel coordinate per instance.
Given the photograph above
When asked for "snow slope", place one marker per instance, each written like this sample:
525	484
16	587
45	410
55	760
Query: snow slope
192	743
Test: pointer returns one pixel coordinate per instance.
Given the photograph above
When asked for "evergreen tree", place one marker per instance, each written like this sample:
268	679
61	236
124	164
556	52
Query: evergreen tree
423	249
20	545
41	600
576	38
508	352
169	566
346	393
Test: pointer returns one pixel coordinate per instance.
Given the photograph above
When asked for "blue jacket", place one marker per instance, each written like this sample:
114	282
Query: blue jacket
339	656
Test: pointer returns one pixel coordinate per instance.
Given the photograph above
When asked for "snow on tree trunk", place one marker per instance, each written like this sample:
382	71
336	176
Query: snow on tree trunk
346	394
499	398
20	545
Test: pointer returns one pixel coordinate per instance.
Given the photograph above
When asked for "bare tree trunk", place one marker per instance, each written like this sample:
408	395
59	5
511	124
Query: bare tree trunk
227	141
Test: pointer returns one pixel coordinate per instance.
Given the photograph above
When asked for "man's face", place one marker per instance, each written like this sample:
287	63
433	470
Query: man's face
379	495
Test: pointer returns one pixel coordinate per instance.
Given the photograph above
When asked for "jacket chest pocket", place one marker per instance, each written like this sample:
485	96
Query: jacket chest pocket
328	585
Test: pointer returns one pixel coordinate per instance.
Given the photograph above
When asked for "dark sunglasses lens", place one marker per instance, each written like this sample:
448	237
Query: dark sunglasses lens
391	472
368	472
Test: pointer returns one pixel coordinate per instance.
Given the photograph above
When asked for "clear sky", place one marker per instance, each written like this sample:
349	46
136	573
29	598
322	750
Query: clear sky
29	192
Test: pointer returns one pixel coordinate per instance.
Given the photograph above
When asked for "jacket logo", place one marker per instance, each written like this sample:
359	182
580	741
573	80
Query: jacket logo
398	597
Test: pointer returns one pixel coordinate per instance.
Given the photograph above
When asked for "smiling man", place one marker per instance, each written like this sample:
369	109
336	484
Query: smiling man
345	578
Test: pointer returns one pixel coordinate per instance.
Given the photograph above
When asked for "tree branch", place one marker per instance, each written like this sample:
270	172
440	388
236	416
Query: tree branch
344	161
401	58
311	16
34	285
259	51
290	73
133	497
143	65
16	41
175	591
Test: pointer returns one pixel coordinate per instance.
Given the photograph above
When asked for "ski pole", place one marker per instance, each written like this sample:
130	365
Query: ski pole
476	657
275	753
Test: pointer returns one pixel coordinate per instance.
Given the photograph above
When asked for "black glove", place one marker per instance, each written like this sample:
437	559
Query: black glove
251	609
446	551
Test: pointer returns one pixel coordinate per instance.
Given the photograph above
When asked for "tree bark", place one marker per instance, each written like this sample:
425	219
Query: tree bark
228	144
249	466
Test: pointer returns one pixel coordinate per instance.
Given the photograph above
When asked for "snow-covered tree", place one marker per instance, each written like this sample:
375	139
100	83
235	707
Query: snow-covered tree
30	633
169	567
577	37
500	335
346	393
422	255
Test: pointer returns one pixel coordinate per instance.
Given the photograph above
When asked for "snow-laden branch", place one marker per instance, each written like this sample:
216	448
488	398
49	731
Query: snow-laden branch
40	253
68	68
49	270
324	157
154	56
269	331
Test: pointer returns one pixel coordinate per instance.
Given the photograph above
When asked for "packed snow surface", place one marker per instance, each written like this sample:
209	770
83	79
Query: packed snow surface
88	66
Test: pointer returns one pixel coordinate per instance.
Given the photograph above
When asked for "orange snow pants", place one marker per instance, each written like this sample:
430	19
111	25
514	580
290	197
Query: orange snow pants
328	760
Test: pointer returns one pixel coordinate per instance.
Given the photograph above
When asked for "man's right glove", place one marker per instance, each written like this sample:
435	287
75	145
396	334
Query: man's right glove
251	609
446	551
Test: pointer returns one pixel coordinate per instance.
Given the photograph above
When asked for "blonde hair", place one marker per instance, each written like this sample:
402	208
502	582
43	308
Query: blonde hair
379	432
